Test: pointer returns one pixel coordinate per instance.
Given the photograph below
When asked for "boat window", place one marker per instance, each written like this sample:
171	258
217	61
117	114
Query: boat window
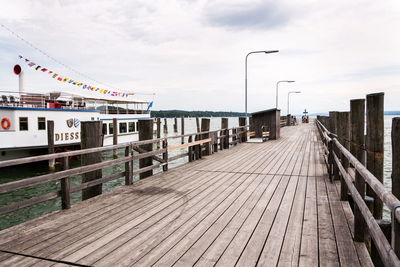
122	127
41	123
131	126
137	126
23	124
104	128
110	128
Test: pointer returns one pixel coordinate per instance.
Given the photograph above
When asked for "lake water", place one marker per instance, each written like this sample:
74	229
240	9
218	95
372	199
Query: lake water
12	174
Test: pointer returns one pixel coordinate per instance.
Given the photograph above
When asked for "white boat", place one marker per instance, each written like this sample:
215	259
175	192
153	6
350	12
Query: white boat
24	116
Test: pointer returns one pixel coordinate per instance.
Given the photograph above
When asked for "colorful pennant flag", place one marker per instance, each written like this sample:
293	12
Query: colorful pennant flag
71	81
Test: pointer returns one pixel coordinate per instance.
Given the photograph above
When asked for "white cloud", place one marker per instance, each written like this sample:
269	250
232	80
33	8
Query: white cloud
191	53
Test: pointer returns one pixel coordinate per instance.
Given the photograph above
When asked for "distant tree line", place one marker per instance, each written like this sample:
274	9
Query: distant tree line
183	113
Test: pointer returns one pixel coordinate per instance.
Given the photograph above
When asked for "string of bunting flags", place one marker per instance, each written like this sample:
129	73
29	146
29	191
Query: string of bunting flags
64	79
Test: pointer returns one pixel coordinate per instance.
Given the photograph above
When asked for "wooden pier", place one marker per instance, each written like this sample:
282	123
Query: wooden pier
265	204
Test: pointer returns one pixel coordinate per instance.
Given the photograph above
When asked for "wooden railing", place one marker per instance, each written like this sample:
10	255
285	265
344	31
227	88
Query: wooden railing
338	157
199	144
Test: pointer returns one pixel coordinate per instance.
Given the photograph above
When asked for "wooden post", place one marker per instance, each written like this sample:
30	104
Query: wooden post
115	136
91	136
224	126
288	120
333	129
175	125
386	228
205	127
158	131
198	124
65	187
128	165
146	133
50	142
242	122
344	138
190	149
396	181
375	145
165	126
182	130
357	127
165	154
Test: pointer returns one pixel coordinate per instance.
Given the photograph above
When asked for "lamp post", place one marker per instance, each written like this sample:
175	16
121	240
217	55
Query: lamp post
291	92
245	73
276	94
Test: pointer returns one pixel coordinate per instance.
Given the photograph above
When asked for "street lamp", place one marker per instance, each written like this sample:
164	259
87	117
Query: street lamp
245	73
276	94
291	92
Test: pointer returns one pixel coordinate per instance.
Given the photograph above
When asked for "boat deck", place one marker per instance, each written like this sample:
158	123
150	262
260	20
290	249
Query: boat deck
267	204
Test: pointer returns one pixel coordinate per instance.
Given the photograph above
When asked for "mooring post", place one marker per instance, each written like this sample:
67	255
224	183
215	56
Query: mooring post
50	142
357	128
65	187
158	131
344	139
175	125
205	127
396	182
115	136
374	143
182	130
198	124
242	122
91	136
224	127
146	133
165	126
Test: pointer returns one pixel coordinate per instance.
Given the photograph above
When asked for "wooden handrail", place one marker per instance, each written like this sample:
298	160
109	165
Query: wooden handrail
65	174
386	250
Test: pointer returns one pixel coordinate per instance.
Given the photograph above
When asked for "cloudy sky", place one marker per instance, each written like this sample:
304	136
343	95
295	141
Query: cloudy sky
191	54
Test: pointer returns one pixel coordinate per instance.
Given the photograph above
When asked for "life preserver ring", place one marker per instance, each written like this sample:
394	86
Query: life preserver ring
5	123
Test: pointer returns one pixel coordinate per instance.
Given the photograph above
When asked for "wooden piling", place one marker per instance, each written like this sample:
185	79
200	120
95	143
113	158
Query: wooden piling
374	142
190	149
50	142
129	165
386	228
115	136
91	136
225	133
242	122
198	124
396	180
205	127
182	130
357	128
333	122
158	131
146	133
65	186
344	138
175	125
165	126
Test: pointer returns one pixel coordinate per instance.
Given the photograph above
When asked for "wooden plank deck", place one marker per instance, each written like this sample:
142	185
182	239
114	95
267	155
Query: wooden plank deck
264	204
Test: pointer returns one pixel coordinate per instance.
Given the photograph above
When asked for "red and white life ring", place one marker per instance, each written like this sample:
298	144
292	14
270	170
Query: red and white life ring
5	123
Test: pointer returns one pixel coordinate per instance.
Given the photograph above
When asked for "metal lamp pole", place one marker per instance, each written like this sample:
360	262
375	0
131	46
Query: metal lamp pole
245	73
276	94
291	92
